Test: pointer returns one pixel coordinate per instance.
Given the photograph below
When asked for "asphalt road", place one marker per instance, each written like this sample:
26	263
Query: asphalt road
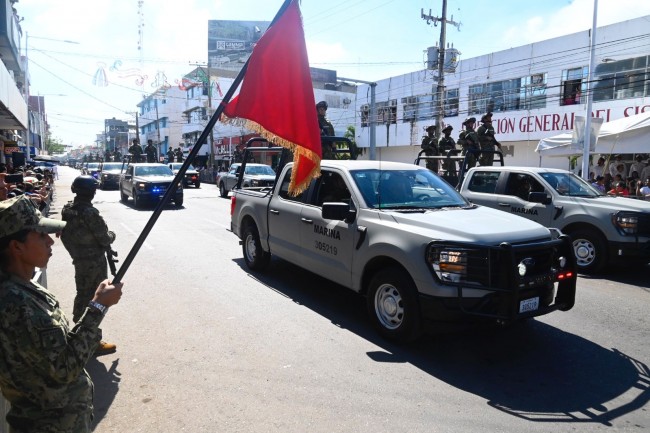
205	346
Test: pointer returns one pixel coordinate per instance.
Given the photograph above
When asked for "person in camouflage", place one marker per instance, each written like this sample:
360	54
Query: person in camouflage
430	147
87	238
150	150
470	142
326	129
446	144
135	150
486	139
41	359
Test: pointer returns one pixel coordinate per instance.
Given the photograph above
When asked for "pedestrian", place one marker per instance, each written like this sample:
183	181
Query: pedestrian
326	130
637	166
135	150
643	191
179	154
599	184
470	142
87	239
429	146
150	150
619	190
445	145
617	167
487	140
170	154
599	168
42	360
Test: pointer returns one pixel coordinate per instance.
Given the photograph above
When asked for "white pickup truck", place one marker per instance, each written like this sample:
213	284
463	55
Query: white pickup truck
604	229
414	246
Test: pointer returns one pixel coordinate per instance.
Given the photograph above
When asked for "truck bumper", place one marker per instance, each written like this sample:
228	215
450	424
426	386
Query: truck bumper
636	251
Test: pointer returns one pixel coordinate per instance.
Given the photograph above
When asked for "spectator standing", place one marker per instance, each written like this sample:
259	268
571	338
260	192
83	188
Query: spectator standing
637	166
645	173
599	168
643	191
617	167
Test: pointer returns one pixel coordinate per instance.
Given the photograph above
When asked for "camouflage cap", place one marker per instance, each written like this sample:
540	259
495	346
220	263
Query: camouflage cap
19	213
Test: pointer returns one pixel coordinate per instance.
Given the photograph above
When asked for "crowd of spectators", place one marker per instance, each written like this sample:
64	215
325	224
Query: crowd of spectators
33	181
619	179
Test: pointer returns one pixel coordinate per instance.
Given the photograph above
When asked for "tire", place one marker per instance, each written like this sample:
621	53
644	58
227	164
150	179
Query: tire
255	257
137	202
393	305
123	197
178	202
222	190
590	249
197	185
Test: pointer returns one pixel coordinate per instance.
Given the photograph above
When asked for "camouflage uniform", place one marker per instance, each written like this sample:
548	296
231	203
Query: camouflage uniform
430	147
327	129
472	146
86	237
485	134
136	152
150	150
42	360
445	145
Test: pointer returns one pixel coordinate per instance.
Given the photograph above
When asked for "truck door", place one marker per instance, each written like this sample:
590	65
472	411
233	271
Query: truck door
328	245
514	199
283	222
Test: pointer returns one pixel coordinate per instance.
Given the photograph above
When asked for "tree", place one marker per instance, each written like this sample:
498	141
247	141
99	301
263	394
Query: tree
354	150
53	145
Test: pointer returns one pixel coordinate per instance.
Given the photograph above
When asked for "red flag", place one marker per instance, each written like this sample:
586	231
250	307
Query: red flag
277	96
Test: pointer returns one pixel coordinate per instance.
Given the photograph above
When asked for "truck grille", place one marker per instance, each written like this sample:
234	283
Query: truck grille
644	225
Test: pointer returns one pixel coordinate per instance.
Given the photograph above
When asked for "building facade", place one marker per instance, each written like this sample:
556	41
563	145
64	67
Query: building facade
160	118
534	91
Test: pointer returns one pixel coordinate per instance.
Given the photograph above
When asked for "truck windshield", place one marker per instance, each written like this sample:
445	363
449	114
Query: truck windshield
259	170
406	189
568	184
153	170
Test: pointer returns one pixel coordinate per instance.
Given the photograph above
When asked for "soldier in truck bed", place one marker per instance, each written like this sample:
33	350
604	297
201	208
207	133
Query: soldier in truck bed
430	147
486	138
469	141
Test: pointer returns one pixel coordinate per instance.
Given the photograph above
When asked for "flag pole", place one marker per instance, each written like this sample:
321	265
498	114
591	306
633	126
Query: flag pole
181	172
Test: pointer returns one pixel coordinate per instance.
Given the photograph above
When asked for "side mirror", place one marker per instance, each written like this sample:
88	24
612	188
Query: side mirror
539	197
337	211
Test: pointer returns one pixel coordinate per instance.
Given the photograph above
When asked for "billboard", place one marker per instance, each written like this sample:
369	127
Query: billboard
230	43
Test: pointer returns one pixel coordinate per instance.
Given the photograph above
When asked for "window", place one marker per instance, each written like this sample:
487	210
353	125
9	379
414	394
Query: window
451	102
533	92
484	181
284	190
477	98
573	85
622	79
521	185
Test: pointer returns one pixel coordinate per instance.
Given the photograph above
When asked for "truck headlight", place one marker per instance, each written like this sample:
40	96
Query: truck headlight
141	186
626	222
255	182
449	263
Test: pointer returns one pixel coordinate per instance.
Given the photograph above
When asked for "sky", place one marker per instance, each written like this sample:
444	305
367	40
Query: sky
72	44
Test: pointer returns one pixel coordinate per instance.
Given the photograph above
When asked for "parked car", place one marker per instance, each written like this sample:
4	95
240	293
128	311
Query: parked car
109	174
255	175
191	175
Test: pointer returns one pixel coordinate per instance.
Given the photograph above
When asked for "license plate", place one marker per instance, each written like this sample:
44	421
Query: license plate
531	304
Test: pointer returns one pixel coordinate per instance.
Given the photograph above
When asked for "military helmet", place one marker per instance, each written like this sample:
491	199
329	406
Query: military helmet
430	128
469	120
321	104
487	115
84	184
447	128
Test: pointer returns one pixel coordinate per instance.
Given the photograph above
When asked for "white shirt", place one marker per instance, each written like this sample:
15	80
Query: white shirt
638	167
597	170
613	170
645	174
645	192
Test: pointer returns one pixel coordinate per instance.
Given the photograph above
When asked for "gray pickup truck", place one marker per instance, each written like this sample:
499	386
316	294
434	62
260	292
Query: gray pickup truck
255	175
410	243
603	229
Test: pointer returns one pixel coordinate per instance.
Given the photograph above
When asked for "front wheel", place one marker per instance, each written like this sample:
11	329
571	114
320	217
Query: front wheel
393	305
590	249
254	255
137	202
123	197
222	190
197	185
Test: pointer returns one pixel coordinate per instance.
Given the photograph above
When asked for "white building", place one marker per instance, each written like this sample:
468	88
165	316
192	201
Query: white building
534	91
159	118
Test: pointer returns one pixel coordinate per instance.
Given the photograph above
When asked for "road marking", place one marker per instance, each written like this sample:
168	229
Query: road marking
128	229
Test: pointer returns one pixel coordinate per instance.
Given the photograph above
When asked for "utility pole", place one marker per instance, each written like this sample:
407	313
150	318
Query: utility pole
157	126
441	60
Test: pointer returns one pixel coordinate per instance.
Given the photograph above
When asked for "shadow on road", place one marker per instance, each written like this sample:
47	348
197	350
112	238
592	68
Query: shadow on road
106	379
532	370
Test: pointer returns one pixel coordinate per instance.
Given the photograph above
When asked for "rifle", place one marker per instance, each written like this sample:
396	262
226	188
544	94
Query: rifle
110	254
